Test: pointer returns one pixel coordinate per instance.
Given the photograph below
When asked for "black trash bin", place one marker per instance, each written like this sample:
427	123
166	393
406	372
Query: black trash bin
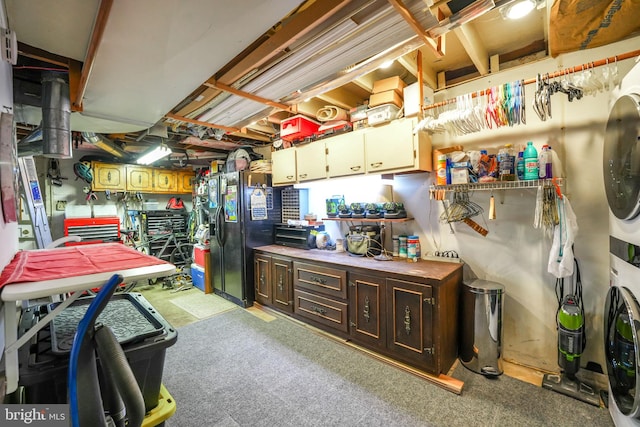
481	327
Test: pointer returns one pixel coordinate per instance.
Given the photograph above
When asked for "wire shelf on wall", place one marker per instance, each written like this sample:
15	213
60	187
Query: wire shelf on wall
498	185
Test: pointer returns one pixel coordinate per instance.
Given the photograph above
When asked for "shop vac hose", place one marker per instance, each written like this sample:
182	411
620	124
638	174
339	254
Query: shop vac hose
124	387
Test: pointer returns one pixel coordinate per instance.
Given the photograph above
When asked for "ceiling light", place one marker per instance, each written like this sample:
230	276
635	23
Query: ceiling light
161	151
386	64
518	9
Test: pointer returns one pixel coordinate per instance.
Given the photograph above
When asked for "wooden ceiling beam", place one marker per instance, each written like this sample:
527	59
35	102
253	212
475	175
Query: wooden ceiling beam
251	134
365	82
410	63
406	14
96	38
200	123
470	40
340	97
217	85
42	55
297	27
205	96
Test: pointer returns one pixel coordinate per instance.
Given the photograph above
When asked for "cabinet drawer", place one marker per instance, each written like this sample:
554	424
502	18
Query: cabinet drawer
329	281
326	311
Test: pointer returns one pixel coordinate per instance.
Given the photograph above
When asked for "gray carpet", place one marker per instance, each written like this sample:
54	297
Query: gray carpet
235	369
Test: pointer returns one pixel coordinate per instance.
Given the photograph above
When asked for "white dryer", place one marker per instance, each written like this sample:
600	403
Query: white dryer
621	168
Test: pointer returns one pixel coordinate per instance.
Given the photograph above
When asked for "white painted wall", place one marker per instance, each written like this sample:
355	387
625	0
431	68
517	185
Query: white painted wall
8	232
514	253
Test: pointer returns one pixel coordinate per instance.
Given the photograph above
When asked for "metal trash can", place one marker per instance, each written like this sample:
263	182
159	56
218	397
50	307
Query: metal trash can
480	347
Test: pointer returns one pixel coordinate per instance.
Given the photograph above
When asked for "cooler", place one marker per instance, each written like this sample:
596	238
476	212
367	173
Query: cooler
199	253
143	334
197	276
298	127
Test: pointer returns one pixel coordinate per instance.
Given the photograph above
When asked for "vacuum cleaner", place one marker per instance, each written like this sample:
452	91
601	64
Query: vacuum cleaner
571	343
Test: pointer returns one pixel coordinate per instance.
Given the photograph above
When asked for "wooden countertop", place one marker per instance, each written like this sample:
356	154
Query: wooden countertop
425	269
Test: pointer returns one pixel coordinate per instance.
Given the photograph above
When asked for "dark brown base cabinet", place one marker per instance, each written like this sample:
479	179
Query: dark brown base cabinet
273	283
407	312
367	309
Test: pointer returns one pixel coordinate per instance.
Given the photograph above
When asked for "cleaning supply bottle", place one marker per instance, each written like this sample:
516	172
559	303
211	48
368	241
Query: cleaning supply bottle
506	163
520	166
441	177
530	155
544	163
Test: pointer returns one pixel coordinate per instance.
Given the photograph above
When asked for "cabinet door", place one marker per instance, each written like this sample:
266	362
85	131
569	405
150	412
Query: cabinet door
345	154
108	177
311	161
283	166
139	178
410	321
282	278
185	181
165	181
262	279
390	146
367	309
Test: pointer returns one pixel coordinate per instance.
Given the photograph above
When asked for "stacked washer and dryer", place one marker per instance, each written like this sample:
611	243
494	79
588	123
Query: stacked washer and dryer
621	168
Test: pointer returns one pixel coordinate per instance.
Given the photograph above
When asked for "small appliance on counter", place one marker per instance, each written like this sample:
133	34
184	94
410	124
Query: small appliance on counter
296	236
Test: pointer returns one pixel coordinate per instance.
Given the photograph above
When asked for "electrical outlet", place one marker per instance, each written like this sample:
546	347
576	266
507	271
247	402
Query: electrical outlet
60	205
442	259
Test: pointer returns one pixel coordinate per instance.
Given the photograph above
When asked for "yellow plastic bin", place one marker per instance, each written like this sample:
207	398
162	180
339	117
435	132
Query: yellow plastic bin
165	409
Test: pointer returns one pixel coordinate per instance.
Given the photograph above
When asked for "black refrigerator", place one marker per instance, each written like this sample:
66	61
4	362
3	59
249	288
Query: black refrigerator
243	209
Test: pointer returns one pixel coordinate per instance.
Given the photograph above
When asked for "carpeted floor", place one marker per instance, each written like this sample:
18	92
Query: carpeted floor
237	368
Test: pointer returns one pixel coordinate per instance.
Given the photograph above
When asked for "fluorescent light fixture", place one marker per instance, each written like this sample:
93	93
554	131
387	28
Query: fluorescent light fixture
518	9
161	151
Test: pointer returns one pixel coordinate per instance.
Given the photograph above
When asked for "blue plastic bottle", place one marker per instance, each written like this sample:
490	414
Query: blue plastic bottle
520	166
530	162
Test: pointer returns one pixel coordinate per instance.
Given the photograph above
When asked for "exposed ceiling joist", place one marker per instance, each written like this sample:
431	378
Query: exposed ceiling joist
429	75
214	84
365	82
96	38
406	14
204	95
340	97
200	123
42	55
470	40
297	27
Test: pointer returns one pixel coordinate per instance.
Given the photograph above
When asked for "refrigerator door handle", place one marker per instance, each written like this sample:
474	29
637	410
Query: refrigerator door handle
219	226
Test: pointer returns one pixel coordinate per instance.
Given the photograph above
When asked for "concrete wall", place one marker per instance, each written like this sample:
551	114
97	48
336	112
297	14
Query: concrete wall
514	253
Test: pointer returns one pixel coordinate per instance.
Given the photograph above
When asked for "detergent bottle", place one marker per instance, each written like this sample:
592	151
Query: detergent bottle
530	162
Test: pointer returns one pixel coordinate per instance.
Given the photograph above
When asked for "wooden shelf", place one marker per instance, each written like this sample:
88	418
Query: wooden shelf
369	219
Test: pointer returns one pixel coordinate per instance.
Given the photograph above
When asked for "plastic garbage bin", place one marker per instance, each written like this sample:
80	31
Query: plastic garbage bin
481	327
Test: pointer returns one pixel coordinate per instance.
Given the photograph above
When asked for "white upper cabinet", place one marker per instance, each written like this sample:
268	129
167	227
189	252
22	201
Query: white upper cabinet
394	148
345	154
284	167
311	161
389	148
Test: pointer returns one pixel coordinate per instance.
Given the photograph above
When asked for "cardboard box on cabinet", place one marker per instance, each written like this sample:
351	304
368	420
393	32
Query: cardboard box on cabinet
387	97
394	83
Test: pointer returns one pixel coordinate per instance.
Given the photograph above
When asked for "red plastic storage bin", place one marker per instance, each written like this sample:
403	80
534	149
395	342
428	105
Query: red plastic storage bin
297	127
